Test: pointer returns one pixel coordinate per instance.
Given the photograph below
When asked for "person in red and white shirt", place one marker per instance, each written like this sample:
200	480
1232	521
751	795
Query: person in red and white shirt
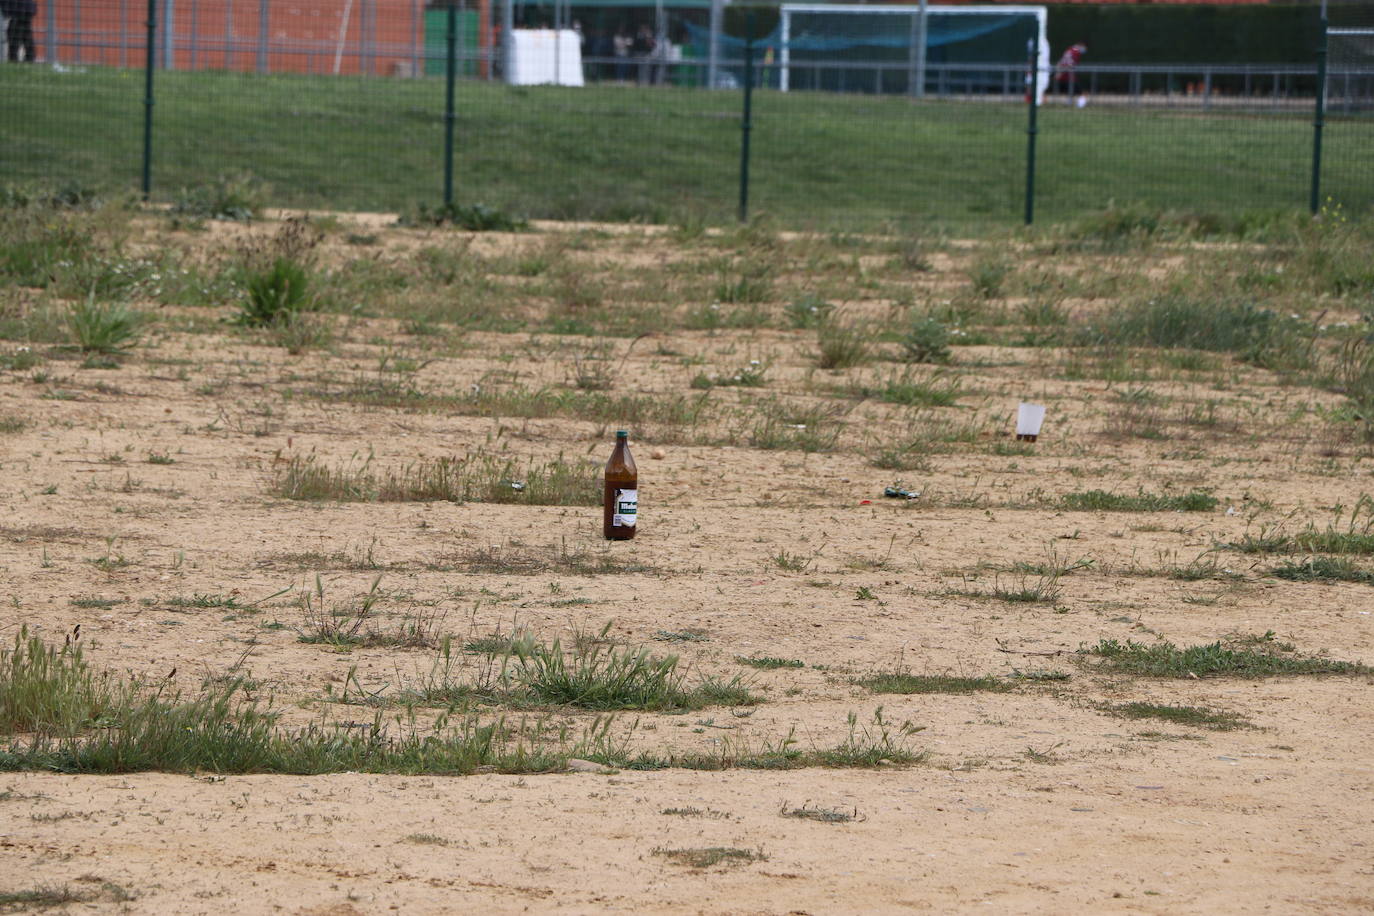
1066	71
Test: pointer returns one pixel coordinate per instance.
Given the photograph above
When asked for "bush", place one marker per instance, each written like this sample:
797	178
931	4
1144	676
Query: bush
843	346
926	341
275	295
473	217
238	196
988	274
1175	320
809	311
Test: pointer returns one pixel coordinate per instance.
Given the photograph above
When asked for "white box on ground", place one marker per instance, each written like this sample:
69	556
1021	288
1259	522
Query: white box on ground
543	56
1029	418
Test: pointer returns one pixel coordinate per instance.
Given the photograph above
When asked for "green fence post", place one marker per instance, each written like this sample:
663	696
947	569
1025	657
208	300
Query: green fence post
1033	82
1318	123
746	125
148	101
449	78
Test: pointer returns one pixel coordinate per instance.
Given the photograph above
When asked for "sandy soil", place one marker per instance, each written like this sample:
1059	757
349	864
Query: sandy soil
1029	801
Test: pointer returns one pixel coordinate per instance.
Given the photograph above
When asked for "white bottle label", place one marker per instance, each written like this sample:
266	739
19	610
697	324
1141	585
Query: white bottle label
626	508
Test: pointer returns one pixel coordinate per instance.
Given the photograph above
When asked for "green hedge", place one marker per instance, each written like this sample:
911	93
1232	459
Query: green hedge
1130	34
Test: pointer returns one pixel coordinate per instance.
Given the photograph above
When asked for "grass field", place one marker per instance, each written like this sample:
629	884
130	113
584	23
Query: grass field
306	602
665	155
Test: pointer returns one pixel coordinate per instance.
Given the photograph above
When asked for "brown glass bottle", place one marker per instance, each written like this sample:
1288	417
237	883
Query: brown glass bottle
620	503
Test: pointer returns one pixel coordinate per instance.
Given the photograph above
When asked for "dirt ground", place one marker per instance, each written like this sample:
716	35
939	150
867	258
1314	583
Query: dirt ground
1032	800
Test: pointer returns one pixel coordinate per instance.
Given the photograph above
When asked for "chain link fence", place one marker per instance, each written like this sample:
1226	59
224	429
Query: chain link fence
342	105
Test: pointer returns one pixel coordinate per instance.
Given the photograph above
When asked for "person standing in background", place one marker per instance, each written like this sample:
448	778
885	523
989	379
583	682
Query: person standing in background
620	47
1066	71
19	27
643	51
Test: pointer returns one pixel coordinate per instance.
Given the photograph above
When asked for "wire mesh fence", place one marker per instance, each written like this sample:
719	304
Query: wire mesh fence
1347	178
341	105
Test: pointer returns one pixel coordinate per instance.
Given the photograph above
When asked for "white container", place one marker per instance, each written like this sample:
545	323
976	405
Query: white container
543	56
1029	418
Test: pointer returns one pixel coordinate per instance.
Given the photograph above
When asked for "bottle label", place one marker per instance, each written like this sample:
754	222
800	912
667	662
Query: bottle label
626	508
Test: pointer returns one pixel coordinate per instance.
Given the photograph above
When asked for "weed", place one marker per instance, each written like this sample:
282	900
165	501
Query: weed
91	601
424	839
22	358
52	690
339	625
789	425
681	636
791	562
1047	756
472	217
769	663
935	389
306	479
274	295
877	744
1248	657
751	375
519	560
298	332
474	477
902	681
1196	716
516	641
926	341
809	311
1177	320
691	811
988	273
708	856
220	731
1044	590
1356	537
1102	501
843	345
237	196
606	678
42	898
1323	569
822	815
753	283
910	254
104	328
1040	676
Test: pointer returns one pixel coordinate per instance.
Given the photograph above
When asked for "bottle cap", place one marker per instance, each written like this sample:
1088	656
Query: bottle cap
621	434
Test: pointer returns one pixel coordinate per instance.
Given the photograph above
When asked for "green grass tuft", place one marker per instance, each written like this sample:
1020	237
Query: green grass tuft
1102	501
472	478
706	857
1244	657
1195	716
104	328
905	682
767	663
1323	569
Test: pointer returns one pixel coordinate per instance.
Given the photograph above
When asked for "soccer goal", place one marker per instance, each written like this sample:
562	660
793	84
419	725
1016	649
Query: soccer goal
911	49
1350	69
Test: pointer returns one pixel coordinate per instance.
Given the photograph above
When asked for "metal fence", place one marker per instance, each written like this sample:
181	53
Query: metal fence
353	113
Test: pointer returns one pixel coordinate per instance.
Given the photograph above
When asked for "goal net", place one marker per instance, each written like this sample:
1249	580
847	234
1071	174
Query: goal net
962	50
1350	64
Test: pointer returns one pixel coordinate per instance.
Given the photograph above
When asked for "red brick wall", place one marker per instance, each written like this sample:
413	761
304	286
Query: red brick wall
303	35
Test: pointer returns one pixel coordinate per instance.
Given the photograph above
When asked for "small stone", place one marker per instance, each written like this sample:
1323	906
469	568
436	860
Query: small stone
658	454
